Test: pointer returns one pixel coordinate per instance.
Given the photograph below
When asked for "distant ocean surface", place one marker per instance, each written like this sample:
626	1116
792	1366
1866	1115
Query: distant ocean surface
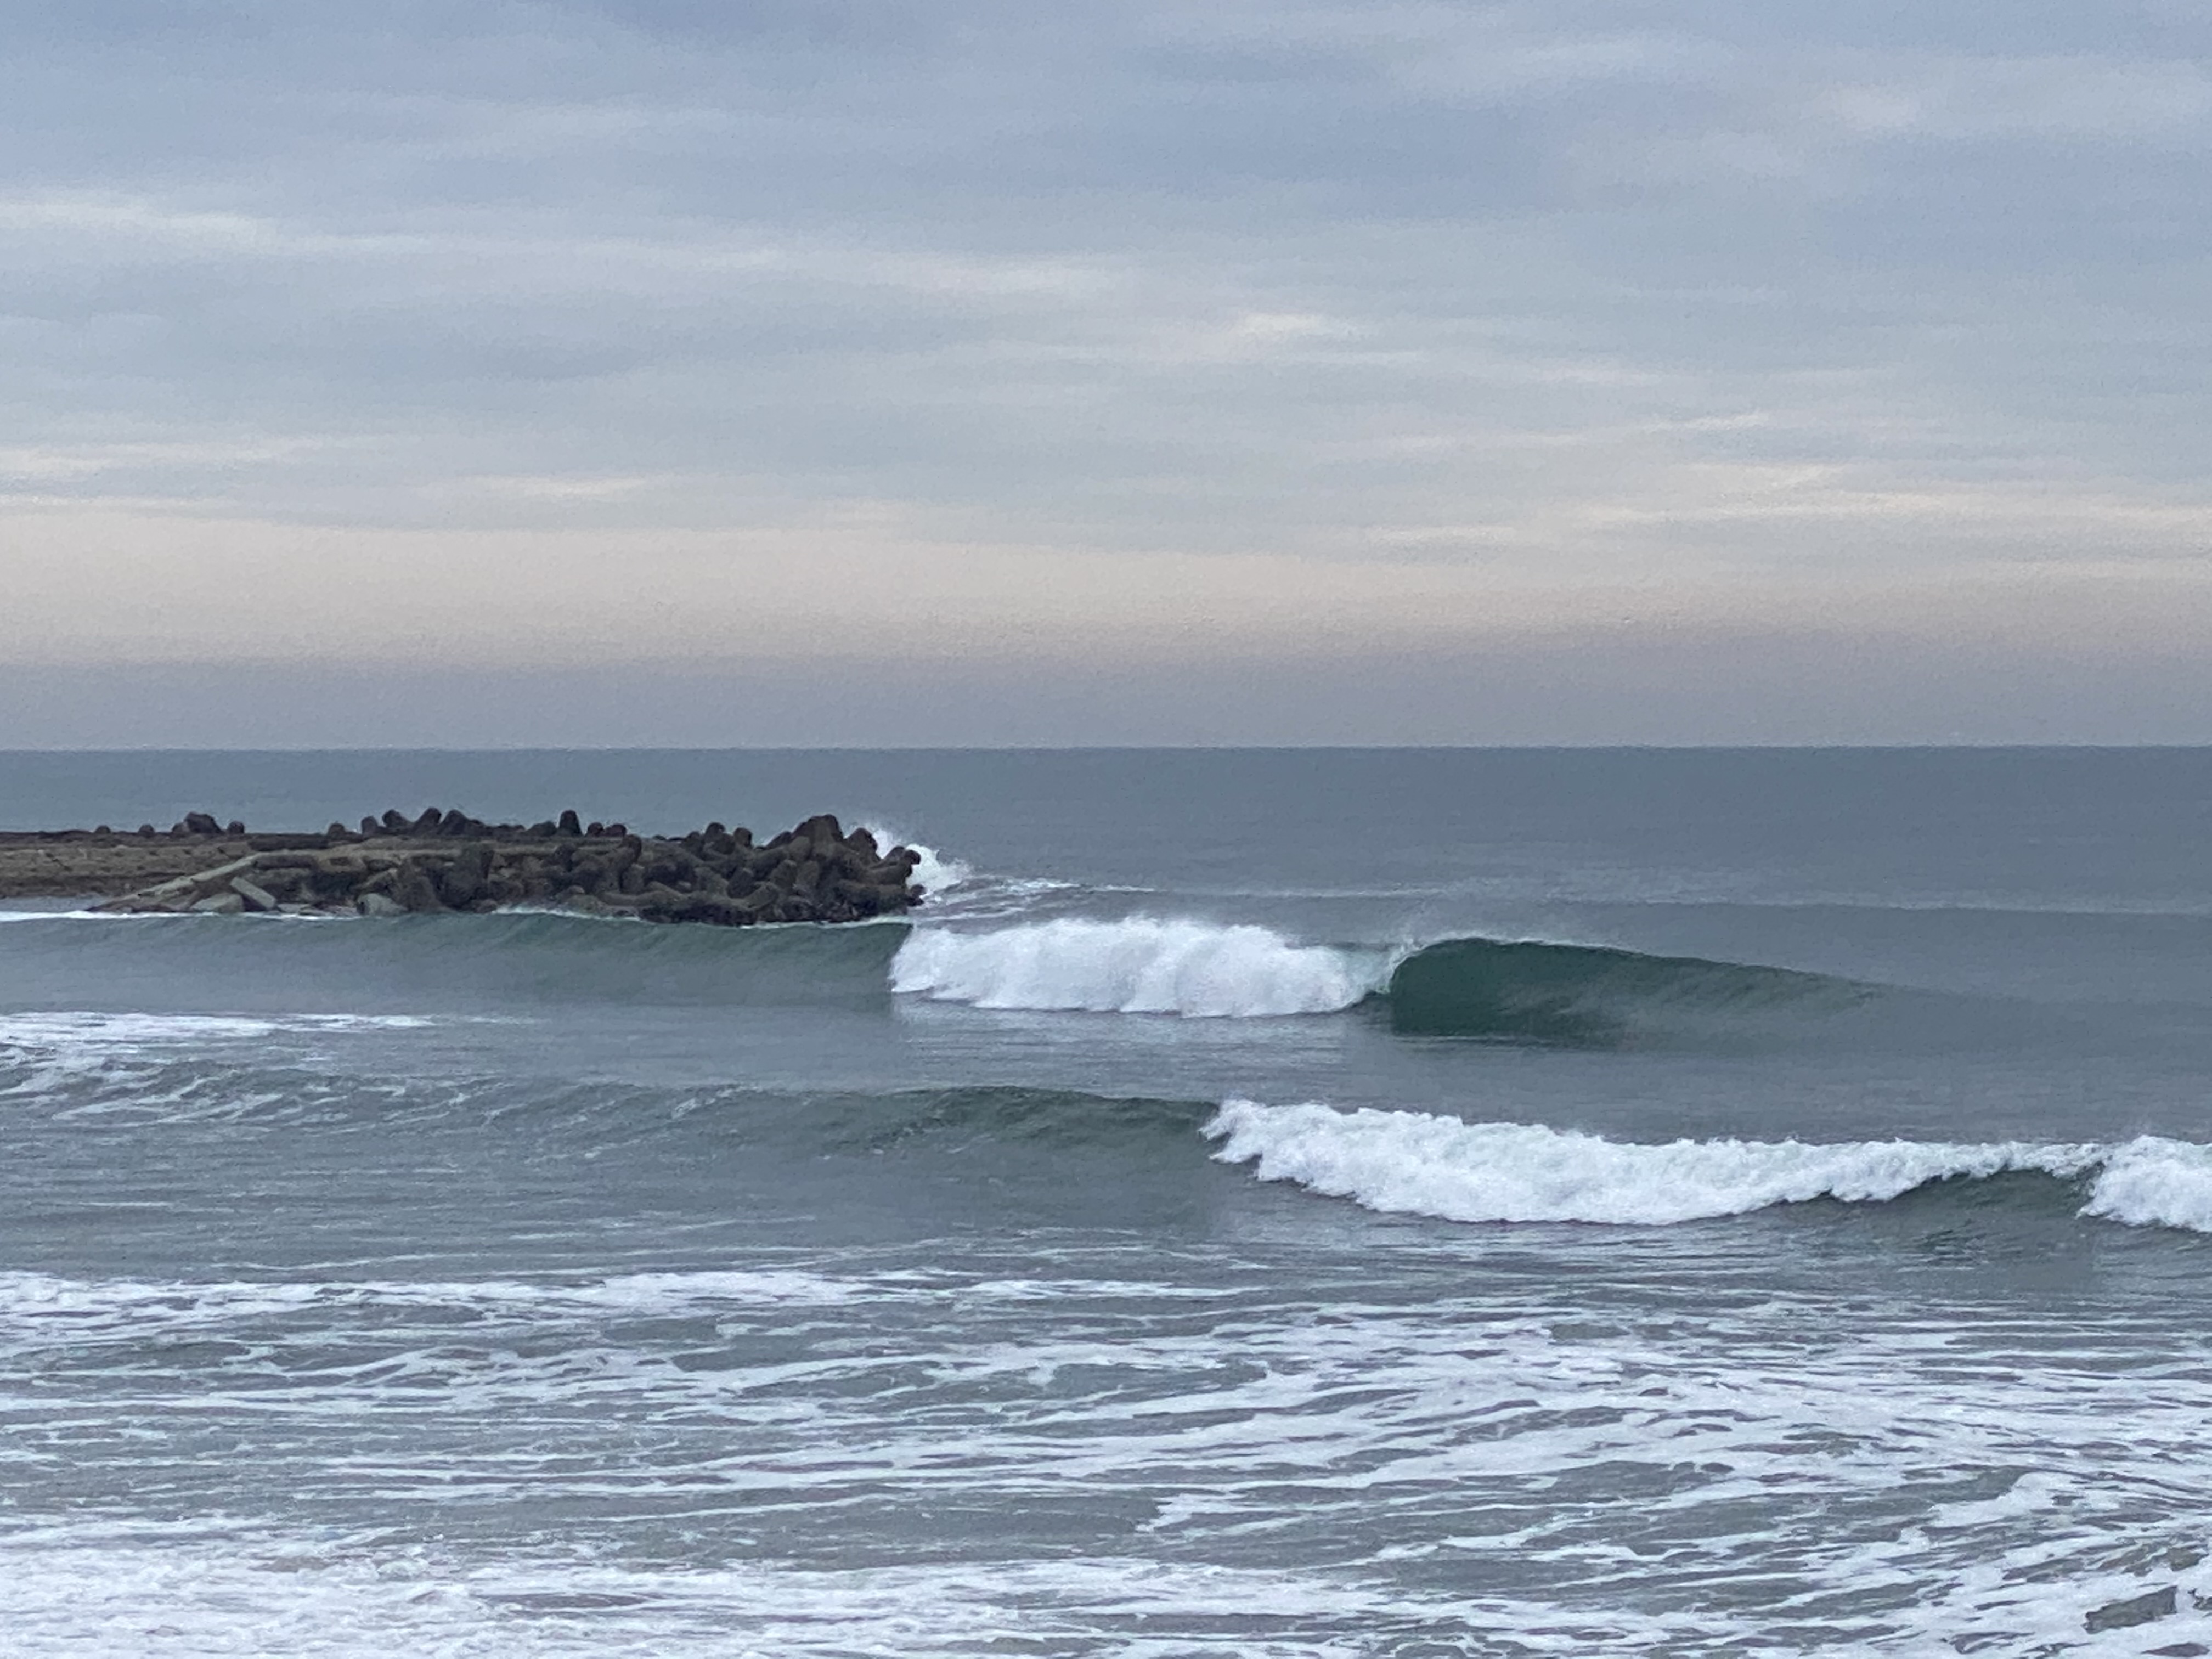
1266	1203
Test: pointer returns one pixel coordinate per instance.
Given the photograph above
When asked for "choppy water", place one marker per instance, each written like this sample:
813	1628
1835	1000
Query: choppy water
1408	1203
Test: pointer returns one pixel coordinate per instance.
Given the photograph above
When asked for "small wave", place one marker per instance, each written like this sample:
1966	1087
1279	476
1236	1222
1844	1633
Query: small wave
45	1309
1200	970
44	1299
1419	1163
64	1031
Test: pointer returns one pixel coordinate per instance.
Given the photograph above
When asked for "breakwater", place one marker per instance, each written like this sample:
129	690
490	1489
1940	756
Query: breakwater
445	859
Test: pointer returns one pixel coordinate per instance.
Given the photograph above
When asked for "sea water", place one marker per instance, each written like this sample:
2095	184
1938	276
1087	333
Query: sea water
1264	1203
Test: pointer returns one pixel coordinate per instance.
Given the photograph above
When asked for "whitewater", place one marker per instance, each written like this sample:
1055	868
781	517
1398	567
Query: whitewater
1264	1203
1422	1164
1136	966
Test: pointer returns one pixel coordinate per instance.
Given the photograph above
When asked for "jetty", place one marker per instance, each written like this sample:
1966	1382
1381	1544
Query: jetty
445	861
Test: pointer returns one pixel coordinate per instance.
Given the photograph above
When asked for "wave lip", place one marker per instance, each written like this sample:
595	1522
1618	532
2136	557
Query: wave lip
1419	1164
1199	970
2153	1181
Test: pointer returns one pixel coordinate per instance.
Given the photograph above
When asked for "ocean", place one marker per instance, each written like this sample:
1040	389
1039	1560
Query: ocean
1264	1203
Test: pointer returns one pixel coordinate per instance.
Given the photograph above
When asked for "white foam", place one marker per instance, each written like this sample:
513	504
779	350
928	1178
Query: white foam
2152	1181
1417	1164
75	1591
37	1299
1909	1487
1572	1475
936	873
74	1029
1138	966
54	1307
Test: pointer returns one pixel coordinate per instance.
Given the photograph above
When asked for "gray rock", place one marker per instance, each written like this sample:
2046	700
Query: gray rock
179	886
761	902
867	899
379	904
469	877
718	912
220	904
413	889
257	896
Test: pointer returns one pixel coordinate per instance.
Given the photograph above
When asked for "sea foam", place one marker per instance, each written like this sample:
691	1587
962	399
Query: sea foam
1419	1164
1138	966
936	873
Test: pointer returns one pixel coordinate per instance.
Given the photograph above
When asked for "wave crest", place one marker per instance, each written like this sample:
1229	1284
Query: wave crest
2153	1181
1419	1163
1200	970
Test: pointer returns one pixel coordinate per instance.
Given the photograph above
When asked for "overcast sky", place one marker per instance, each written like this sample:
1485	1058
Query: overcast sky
793	371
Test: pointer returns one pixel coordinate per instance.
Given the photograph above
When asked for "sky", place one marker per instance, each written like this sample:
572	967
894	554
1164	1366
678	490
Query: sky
789	372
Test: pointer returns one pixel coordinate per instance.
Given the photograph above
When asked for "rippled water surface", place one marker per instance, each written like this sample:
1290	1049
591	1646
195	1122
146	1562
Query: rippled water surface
1267	1203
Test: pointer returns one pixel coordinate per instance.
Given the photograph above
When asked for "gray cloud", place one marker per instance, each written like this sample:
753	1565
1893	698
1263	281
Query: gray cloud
1653	296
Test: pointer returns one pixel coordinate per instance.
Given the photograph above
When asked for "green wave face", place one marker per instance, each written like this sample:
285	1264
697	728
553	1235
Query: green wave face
1587	995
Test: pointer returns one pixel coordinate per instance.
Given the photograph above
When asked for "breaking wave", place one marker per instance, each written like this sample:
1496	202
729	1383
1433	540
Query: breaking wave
1200	970
1527	990
937	873
1419	1163
1520	991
